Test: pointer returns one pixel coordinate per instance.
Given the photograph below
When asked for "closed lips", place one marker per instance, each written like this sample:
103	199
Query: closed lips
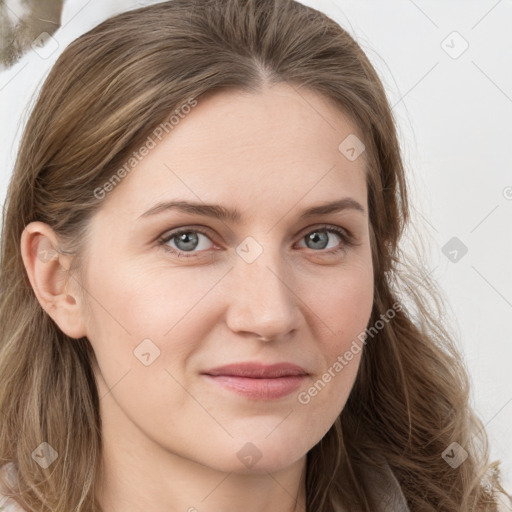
258	371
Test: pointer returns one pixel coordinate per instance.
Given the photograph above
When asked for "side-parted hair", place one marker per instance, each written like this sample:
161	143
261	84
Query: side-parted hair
108	91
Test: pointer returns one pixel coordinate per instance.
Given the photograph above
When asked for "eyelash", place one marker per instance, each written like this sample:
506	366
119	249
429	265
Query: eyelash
346	237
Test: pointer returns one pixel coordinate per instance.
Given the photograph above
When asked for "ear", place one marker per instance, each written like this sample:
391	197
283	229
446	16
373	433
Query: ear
53	286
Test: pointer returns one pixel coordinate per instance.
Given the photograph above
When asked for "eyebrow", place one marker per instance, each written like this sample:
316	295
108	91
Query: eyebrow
233	215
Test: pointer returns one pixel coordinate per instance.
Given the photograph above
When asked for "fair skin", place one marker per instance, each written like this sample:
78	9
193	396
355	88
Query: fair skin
170	435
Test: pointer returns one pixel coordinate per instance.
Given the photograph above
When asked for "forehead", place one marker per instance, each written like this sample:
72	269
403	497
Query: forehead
267	148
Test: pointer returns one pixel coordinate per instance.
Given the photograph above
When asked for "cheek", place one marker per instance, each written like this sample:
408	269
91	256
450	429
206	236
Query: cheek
344	309
344	304
143	329
143	302
140	315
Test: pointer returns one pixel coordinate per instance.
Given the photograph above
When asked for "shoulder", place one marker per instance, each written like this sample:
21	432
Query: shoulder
7	479
386	494
383	490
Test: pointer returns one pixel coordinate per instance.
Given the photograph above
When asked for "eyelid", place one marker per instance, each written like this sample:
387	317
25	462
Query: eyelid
210	233
347	237
171	233
327	227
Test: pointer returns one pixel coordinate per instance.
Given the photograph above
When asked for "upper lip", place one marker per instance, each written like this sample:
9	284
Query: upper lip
257	370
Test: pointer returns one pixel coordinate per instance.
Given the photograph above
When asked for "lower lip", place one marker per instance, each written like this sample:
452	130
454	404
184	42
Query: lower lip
260	389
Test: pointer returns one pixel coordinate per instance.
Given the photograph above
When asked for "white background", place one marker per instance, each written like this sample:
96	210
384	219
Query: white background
453	111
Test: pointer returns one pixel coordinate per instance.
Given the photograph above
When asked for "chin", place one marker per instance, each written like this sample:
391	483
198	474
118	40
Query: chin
269	455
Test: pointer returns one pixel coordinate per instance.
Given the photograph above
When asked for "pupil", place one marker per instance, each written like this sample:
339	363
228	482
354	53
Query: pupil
190	244
316	237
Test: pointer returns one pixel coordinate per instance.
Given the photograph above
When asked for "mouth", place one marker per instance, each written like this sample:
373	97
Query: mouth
257	381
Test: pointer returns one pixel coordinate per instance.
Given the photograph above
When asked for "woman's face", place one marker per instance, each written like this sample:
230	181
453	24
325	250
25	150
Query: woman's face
163	311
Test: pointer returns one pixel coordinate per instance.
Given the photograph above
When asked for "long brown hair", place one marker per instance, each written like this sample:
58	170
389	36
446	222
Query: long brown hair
108	90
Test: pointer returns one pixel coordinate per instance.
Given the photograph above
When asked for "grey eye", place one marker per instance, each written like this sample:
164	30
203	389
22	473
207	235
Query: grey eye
186	241
319	239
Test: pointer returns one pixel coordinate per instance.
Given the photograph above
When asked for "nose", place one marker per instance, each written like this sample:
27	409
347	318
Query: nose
261	300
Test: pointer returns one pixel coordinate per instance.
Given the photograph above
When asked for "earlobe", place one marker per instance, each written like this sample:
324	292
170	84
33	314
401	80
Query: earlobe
47	271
